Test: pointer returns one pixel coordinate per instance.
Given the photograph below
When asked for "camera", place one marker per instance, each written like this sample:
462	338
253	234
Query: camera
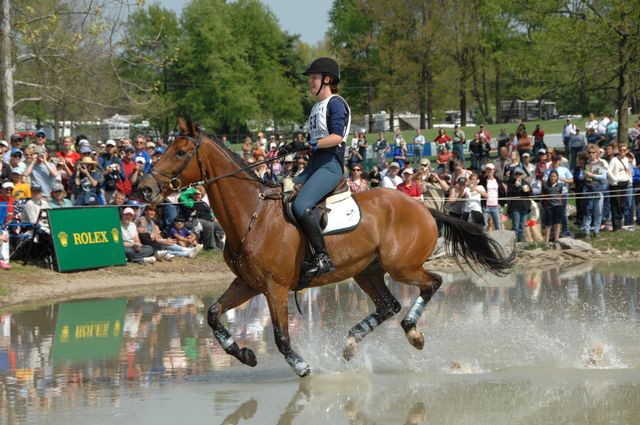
462	180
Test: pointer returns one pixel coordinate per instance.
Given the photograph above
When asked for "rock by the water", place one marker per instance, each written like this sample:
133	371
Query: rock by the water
570	243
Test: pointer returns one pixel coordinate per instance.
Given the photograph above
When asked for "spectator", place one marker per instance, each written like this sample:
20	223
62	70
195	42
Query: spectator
135	251
86	182
542	164
484	134
128	167
67	154
528	167
568	130
15	162
356	182
595	187
113	171
183	236
565	177
165	248
58	199
354	158
579	176
457	197
612	129
459	141
374	177
4	250
138	171
400	153
501	162
34	206
6	196
150	147
538	141
495	190
418	147
381	148
443	139
519	207
577	143
141	150
473	205
21	189
552	191
41	171
513	164
409	186
619	178
16	143
201	217
433	190
475	149
391	179
594	138
157	154
362	148
443	158
503	138
592	123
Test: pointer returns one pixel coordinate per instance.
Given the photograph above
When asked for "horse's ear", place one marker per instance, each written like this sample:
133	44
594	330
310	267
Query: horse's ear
183	126
191	130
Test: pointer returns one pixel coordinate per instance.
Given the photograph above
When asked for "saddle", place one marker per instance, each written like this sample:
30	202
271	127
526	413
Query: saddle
321	210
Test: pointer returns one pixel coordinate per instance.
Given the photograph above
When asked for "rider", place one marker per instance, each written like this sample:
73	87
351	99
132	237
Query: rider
329	123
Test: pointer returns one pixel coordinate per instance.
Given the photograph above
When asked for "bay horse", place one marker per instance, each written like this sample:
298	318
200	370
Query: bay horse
396	236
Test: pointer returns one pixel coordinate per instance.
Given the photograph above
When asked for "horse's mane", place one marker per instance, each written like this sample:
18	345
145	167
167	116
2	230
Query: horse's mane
239	161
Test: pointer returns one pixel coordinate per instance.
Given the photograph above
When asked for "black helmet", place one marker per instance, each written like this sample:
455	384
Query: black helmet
324	66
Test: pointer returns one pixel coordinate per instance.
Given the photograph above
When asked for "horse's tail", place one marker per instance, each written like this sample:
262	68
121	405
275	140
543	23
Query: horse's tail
468	242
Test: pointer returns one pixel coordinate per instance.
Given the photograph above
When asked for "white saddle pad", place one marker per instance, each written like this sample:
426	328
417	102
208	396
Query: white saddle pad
345	215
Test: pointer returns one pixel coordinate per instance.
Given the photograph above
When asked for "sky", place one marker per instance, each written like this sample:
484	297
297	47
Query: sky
308	18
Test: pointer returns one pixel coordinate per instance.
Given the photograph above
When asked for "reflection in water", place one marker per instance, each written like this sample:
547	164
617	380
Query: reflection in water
493	352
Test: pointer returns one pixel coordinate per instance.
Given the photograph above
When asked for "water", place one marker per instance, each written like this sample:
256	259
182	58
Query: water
551	346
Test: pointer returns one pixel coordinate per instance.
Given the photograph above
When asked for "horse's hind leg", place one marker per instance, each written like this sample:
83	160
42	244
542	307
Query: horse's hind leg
278	300
371	280
237	293
428	283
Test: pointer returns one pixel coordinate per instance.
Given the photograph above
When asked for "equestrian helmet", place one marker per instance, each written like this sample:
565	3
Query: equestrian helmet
324	66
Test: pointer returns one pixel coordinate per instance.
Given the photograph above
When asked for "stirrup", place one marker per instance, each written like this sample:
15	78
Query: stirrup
319	265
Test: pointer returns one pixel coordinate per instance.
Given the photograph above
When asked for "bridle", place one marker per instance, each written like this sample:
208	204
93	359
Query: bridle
175	183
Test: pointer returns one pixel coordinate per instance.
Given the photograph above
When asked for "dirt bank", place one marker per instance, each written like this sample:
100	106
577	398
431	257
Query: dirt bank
26	285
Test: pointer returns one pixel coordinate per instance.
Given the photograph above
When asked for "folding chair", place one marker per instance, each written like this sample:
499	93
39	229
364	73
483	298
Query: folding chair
34	245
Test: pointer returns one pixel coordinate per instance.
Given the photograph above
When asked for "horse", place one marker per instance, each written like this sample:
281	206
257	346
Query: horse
397	235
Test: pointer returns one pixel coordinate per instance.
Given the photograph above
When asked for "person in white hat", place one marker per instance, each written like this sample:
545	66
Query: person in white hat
409	186
391	180
135	251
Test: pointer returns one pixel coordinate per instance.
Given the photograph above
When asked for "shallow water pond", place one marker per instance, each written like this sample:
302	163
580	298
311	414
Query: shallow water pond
555	346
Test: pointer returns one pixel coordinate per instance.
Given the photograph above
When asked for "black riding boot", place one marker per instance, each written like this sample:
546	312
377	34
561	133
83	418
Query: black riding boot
321	262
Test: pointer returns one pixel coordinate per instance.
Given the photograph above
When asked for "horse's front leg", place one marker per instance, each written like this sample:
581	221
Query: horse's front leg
278	300
237	293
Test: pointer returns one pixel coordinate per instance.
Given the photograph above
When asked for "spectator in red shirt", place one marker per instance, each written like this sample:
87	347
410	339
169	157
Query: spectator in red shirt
484	135
128	167
67	154
444	156
443	138
408	186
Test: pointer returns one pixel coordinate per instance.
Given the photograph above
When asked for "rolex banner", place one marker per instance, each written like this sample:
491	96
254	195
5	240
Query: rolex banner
86	238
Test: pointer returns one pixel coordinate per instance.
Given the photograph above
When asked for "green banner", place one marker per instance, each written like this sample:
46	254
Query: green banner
88	330
86	238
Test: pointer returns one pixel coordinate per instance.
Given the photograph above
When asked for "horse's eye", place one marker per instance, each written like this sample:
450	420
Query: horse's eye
180	153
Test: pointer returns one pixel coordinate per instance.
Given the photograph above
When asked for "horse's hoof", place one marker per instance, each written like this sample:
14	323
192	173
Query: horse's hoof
304	371
415	338
350	349
248	357
299	366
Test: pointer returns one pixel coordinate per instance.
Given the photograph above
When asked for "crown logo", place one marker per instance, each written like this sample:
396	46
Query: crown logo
64	239
115	235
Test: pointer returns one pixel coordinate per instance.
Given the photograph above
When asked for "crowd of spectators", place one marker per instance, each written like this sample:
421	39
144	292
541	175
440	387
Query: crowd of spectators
594	179
36	177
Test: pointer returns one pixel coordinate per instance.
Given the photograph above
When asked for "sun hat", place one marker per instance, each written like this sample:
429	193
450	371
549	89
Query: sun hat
110	142
140	159
394	164
407	171
128	210
7	185
490	165
87	161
